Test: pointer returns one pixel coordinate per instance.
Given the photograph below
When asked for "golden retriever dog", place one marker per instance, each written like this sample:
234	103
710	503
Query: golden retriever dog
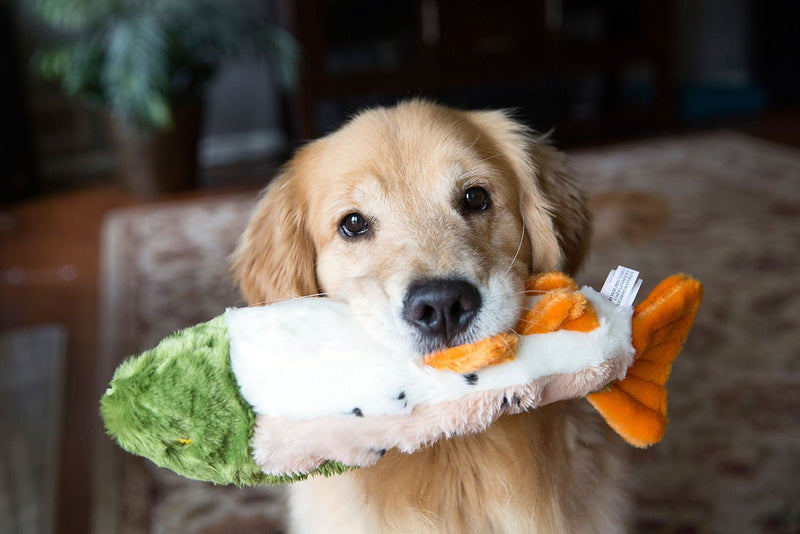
427	221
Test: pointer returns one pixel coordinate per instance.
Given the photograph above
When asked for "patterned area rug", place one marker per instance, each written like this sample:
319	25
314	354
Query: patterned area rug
721	206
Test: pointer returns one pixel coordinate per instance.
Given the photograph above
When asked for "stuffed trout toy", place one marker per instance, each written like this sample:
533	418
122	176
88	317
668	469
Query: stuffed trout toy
273	394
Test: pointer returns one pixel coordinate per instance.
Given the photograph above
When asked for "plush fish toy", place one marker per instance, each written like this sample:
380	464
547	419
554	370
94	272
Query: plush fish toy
273	394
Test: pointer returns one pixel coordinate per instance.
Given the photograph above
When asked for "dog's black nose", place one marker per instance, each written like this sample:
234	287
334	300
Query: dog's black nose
441	308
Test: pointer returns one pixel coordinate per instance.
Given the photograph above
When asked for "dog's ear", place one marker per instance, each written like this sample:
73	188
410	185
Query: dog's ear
275	257
567	205
553	208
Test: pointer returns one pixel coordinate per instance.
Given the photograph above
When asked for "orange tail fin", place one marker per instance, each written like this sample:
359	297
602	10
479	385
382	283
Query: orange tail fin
636	407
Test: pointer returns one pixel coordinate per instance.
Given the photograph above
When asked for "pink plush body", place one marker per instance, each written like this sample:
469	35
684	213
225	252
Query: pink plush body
282	445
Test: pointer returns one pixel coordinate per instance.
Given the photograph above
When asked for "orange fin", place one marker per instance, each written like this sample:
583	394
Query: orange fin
557	309
543	282
636	423
636	407
473	356
586	322
564	307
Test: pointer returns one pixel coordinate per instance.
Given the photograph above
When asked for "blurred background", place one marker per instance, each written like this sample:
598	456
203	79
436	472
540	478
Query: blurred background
114	110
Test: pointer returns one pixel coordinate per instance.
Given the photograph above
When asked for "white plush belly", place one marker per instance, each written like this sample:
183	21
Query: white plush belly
309	358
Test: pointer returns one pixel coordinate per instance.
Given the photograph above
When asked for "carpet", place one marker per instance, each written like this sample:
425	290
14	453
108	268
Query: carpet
31	383
721	206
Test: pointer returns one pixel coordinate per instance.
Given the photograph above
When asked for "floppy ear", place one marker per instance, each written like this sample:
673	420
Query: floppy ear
275	258
553	208
567	205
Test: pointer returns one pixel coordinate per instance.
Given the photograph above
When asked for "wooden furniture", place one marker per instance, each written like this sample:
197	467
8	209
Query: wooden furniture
17	175
582	67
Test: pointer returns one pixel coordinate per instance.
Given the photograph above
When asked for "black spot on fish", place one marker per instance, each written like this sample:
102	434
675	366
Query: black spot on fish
471	379
402	395
357	412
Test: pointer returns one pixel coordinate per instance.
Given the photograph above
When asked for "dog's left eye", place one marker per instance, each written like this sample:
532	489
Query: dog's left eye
353	225
476	199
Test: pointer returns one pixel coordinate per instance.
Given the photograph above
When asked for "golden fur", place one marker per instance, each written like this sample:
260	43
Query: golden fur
556	469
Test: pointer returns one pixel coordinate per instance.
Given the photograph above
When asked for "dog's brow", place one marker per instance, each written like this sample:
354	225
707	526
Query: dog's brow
366	188
476	171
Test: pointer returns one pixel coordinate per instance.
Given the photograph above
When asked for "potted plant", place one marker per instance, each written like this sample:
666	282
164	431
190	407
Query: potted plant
148	62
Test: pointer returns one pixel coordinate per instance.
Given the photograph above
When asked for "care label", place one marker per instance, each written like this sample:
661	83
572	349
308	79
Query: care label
621	286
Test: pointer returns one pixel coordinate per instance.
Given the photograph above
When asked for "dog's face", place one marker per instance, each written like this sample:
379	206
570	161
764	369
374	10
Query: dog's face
426	220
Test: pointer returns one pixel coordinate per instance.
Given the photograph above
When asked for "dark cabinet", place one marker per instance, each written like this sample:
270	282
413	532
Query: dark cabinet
583	67
16	153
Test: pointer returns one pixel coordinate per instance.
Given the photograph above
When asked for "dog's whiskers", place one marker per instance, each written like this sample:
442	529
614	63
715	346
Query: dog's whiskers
507	345
516	254
292	297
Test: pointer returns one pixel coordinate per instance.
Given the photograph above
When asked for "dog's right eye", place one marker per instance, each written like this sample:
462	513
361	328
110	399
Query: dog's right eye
476	199
353	225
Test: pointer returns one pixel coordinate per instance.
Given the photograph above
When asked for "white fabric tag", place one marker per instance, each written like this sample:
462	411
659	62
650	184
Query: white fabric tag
621	286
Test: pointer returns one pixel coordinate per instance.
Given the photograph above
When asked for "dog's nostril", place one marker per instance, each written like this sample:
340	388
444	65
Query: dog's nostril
425	314
441	308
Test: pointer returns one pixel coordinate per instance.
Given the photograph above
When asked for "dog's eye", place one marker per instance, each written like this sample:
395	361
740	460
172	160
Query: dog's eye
476	199
353	225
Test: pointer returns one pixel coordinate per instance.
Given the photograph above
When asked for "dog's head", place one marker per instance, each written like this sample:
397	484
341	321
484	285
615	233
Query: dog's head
426	220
